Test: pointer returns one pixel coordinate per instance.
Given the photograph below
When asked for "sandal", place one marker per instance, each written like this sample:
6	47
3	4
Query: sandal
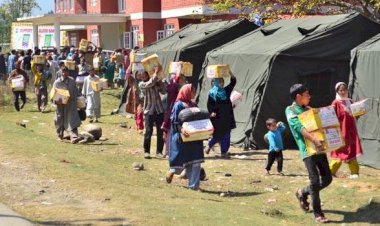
304	204
169	177
321	219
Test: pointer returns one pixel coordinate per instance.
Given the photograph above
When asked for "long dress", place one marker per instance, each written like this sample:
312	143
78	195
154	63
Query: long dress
181	153
66	115
224	121
93	98
349	132
110	71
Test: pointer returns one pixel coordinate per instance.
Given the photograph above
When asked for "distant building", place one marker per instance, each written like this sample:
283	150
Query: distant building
124	23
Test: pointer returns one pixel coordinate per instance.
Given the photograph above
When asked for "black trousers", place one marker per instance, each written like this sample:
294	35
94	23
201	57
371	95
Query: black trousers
275	155
320	177
150	121
16	96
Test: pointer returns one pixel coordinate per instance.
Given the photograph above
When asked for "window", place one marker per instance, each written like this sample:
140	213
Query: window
71	4
121	6
58	4
169	29
160	35
135	35
93	2
64	5
95	37
73	39
127	40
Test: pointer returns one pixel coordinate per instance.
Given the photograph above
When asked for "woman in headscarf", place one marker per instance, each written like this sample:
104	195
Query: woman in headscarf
188	155
176	82
352	149
221	112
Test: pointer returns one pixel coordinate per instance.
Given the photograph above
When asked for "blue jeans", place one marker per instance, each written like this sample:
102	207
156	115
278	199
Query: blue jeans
193	172
224	143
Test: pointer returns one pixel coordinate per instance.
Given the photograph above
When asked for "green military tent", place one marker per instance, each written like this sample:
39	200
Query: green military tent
314	51
365	83
192	42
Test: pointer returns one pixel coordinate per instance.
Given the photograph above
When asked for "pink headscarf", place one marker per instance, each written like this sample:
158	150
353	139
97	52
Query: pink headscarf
184	95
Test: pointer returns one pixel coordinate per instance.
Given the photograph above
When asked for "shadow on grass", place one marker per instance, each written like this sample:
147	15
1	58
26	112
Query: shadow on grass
106	144
231	193
366	214
2	216
114	221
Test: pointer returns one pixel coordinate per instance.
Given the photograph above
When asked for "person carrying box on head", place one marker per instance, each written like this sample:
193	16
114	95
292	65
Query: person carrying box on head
317	165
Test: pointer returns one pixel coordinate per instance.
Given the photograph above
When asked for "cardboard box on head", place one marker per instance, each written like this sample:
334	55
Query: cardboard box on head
186	69
83	44
150	64
218	71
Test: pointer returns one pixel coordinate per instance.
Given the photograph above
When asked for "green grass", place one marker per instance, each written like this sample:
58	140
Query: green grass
95	184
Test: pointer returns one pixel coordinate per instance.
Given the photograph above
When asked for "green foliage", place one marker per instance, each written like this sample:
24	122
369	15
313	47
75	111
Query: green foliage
10	10
271	9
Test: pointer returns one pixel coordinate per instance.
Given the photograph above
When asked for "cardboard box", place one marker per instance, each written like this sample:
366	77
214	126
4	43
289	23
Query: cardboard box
99	85
318	118
60	96
137	67
186	70
18	83
361	107
150	63
331	139
136	57
198	130
70	65
83	44
38	59
218	71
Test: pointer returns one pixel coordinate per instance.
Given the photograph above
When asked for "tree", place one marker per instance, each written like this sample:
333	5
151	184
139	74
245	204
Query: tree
10	10
273	8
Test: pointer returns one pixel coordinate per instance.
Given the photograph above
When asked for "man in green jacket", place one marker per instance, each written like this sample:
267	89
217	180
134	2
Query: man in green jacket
317	165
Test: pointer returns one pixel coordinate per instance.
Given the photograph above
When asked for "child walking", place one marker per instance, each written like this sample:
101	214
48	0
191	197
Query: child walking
317	165
352	149
276	146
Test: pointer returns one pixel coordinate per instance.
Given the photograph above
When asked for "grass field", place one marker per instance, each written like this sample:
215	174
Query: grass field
55	183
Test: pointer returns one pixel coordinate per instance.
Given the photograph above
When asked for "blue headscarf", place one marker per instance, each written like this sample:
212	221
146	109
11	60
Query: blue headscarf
217	93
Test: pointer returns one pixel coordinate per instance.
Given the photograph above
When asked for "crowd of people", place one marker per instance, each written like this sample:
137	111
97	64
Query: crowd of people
156	102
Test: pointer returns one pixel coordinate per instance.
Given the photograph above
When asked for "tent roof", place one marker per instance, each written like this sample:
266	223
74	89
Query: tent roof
371	45
281	35
189	35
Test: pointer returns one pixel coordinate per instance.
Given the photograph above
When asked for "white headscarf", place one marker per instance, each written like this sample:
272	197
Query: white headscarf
337	96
